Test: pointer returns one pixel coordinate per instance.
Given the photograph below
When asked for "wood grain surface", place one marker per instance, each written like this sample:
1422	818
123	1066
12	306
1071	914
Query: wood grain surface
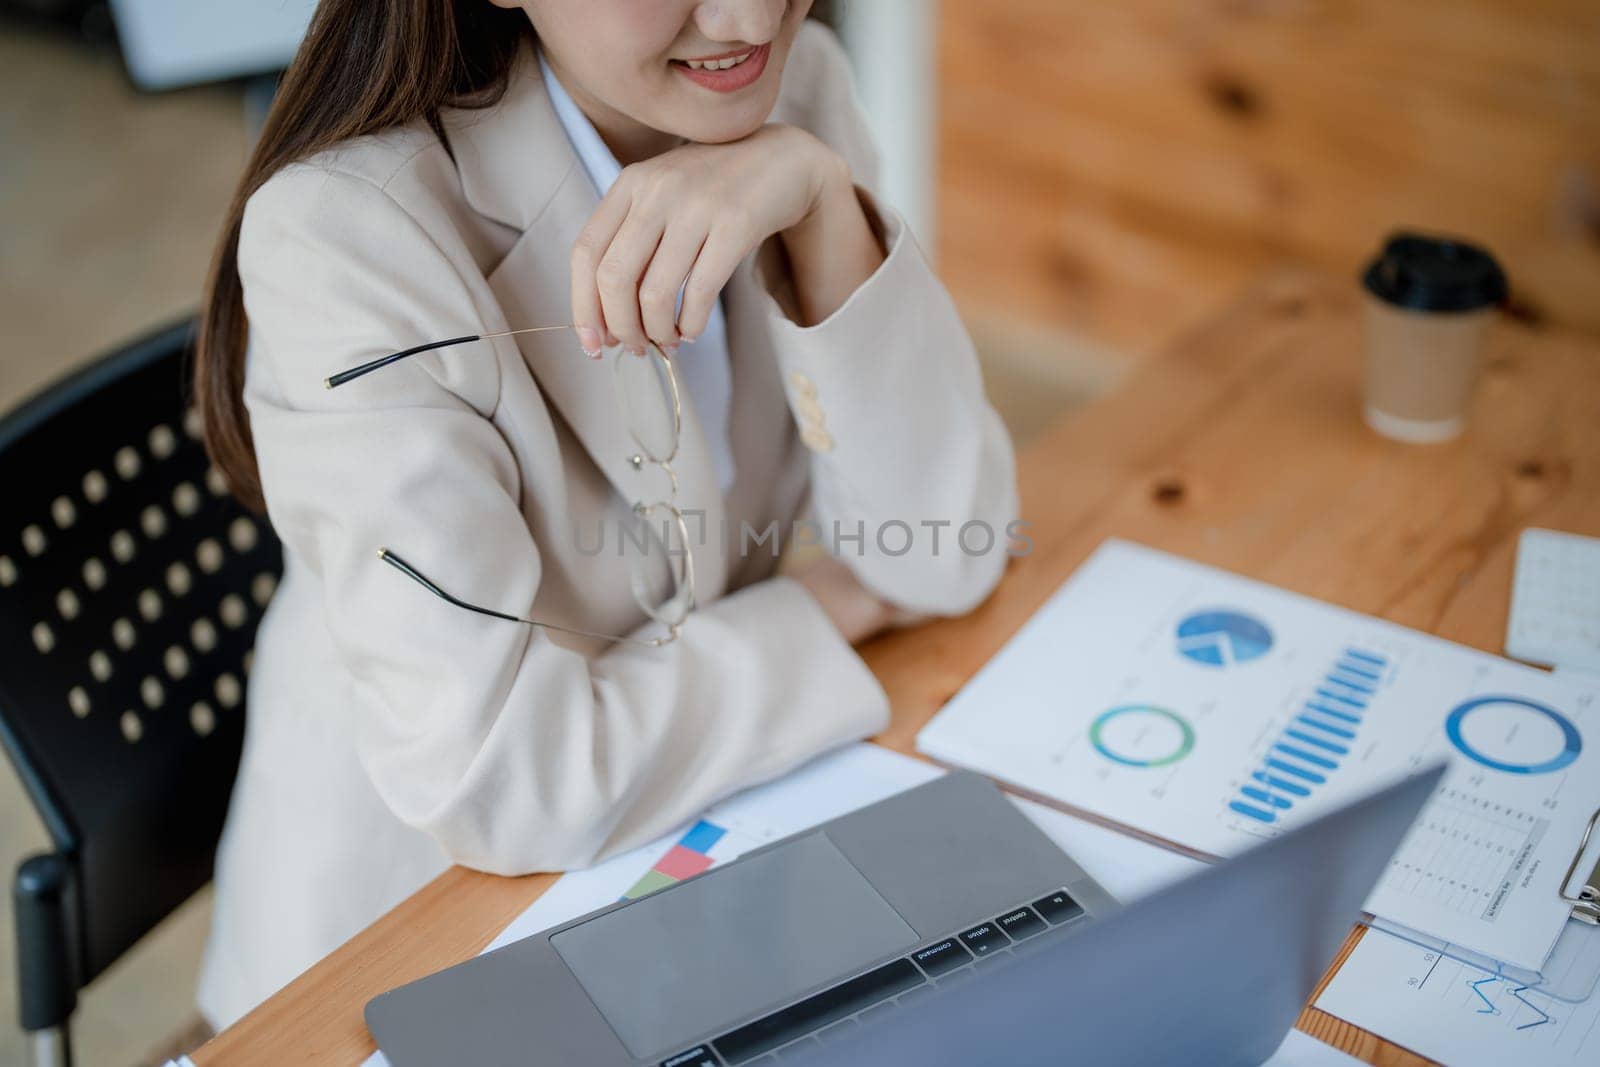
1118	169
1239	446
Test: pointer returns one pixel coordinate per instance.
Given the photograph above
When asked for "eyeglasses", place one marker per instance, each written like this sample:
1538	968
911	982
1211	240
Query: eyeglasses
648	394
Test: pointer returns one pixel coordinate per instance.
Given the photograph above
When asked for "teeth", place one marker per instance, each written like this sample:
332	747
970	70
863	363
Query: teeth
716	64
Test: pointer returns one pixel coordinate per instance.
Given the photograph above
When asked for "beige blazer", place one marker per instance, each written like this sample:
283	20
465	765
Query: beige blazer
391	734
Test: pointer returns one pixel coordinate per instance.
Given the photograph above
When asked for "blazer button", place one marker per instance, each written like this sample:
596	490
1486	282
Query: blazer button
810	410
803	385
817	439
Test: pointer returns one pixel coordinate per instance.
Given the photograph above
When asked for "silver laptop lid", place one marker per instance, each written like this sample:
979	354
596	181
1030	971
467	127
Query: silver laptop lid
1213	970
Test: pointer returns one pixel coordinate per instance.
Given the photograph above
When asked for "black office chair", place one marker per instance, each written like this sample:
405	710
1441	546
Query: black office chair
131	584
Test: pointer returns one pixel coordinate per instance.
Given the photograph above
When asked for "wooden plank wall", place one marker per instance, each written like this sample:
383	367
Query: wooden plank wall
1119	167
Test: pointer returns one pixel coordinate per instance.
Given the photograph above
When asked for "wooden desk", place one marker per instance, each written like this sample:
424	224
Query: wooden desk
1242	447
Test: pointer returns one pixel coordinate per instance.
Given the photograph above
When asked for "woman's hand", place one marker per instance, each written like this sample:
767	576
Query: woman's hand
688	217
855	611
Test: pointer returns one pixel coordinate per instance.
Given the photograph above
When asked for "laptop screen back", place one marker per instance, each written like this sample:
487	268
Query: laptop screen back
1212	970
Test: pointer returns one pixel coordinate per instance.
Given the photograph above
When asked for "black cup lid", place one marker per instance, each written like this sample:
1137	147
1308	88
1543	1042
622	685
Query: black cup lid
1435	274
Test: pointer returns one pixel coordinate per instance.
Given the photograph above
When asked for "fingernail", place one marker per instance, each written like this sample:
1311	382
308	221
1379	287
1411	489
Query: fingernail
671	349
689	338
611	339
637	350
590	340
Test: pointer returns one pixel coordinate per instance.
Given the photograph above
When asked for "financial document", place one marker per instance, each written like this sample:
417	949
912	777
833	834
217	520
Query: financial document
1212	711
1463	1015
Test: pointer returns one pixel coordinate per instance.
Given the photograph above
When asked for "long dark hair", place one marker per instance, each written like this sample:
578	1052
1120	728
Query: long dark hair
364	66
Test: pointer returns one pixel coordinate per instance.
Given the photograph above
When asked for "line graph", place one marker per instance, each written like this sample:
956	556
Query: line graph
1488	1005
1497	982
1451	1011
1543	1018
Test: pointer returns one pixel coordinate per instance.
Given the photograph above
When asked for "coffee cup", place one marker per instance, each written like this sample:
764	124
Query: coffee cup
1429	304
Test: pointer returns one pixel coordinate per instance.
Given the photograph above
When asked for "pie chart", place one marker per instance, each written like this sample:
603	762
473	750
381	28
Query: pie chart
1223	638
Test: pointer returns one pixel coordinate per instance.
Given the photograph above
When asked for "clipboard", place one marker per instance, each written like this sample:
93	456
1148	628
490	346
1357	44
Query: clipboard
1586	904
1571	972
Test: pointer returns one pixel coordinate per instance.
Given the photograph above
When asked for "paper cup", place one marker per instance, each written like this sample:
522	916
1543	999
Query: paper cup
1429	304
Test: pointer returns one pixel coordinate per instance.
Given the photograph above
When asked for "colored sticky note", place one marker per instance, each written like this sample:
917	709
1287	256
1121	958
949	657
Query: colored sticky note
702	836
651	881
680	863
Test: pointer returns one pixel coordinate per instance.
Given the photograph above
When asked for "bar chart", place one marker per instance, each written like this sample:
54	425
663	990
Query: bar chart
1316	741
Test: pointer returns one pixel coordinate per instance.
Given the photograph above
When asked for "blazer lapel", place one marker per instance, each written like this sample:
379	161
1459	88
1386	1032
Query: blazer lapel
514	154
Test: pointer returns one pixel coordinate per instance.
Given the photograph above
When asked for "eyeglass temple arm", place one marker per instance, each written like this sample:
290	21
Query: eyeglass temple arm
427	583
394	357
353	373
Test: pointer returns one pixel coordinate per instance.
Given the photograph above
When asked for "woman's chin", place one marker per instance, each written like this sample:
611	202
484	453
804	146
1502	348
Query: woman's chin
720	133
720	122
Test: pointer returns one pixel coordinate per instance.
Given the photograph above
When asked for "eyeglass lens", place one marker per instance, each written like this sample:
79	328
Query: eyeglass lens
660	566
656	540
650	406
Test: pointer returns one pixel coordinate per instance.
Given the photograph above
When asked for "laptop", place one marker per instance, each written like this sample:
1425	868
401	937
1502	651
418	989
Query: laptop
1213	971
938	926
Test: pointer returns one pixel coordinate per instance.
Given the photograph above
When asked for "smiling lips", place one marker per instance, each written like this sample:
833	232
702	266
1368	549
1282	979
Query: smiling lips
726	73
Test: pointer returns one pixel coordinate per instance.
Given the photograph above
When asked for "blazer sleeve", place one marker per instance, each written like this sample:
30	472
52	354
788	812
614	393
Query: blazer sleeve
516	754
912	472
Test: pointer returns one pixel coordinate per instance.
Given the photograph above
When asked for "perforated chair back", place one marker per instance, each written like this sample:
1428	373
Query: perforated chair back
131	584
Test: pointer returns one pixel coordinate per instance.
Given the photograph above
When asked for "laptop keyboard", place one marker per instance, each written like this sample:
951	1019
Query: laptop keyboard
836	1010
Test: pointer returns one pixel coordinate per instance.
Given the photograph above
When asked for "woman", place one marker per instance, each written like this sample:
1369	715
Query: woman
435	169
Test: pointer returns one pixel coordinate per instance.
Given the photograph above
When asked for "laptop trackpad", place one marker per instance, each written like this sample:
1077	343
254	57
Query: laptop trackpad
698	956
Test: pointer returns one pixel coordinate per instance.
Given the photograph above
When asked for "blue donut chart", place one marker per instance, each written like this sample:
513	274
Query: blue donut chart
1572	741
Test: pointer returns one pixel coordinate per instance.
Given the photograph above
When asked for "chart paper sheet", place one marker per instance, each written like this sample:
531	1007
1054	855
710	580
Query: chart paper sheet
1212	711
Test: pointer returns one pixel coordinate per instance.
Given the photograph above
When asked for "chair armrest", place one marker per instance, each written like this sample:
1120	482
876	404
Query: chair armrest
44	902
